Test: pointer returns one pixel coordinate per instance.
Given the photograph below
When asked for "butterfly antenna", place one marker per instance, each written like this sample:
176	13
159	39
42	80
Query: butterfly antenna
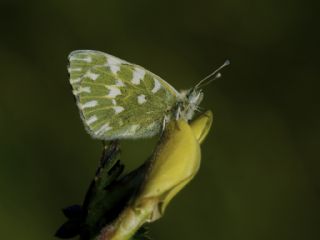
213	76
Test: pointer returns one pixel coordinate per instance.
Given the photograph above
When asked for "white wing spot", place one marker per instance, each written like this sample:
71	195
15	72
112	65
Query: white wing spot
113	60
138	75
104	128
81	90
118	109
76	80
141	99
114	68
132	129
114	64
86	59
157	86
114	102
89	104
70	70
152	126
92	119
92	75
119	83
113	91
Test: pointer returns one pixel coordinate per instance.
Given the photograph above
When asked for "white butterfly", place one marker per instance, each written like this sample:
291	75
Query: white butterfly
118	99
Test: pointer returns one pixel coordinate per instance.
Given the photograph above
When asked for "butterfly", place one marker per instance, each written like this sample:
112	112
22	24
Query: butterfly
121	100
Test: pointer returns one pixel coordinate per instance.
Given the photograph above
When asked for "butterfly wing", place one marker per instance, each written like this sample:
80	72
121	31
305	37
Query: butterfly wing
118	99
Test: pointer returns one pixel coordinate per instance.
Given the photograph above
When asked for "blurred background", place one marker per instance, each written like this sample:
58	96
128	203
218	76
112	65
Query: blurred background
259	177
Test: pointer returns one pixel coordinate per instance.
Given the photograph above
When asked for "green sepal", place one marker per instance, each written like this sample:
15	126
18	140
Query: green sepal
106	197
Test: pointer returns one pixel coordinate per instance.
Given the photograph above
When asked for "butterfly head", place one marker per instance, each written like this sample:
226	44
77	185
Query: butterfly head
188	103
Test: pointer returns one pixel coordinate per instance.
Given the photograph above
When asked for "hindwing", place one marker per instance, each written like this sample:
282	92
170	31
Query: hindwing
117	99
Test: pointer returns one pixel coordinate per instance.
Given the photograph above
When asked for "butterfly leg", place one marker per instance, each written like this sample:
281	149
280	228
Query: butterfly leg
164	123
178	113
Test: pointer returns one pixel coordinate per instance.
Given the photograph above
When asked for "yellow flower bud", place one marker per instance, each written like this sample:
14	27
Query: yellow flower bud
174	163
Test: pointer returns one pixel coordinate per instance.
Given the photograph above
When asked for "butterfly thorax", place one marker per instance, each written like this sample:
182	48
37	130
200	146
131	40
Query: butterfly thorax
188	103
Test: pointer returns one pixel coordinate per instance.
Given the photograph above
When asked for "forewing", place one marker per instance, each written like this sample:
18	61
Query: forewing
118	99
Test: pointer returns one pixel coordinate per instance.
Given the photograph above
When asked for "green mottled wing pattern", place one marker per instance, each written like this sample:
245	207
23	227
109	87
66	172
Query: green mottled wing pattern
118	99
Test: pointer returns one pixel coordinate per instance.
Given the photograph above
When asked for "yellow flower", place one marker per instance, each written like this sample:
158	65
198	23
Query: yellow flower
174	163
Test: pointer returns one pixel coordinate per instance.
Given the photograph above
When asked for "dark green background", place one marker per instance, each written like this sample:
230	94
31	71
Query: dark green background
259	177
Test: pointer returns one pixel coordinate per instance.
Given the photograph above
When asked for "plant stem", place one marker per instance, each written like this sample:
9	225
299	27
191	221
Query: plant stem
128	223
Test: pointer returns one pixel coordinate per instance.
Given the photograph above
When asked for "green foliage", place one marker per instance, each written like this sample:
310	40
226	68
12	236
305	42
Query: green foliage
142	234
106	197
